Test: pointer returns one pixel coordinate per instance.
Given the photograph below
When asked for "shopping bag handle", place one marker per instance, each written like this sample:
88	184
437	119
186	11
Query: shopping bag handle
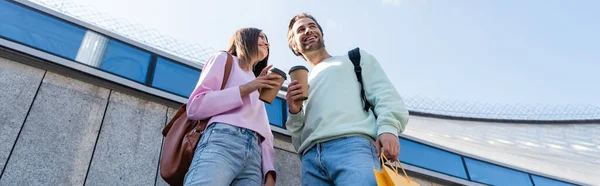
382	157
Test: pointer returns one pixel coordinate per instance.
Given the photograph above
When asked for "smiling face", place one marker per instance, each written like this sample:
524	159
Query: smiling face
305	35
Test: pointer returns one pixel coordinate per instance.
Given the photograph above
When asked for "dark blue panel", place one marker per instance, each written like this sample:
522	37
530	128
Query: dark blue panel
542	181
495	175
39	30
174	77
274	112
126	61
431	158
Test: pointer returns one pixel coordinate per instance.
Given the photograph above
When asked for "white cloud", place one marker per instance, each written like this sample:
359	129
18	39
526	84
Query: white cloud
331	24
391	2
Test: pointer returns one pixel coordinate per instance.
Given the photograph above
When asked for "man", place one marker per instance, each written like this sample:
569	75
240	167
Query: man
338	141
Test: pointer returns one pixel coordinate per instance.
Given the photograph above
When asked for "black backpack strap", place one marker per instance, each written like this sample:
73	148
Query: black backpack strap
354	56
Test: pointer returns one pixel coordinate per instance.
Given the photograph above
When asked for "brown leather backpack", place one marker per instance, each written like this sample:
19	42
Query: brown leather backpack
181	137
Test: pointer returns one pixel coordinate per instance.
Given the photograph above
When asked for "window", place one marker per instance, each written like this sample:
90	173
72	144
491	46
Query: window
39	30
431	158
495	175
275	112
126	61
175	78
538	180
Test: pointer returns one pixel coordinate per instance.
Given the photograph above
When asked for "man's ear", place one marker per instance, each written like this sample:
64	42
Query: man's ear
295	47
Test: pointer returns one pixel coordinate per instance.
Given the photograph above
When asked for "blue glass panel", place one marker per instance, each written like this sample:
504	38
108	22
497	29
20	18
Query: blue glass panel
126	61
39	30
174	77
538	180
495	175
274	112
431	158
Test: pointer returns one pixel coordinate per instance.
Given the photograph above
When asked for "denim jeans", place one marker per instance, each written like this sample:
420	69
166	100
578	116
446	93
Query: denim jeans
342	161
226	155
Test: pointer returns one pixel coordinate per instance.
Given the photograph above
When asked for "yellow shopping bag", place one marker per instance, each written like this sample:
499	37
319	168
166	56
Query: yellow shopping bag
389	177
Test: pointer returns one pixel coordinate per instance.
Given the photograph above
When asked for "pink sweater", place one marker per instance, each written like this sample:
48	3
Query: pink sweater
227	106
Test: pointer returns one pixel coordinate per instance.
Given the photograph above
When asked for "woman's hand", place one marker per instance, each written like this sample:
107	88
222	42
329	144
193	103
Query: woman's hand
270	180
262	81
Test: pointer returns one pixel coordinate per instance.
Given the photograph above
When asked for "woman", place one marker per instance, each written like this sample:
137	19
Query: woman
237	146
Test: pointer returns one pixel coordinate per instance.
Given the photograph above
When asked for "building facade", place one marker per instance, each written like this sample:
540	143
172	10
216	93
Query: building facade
82	105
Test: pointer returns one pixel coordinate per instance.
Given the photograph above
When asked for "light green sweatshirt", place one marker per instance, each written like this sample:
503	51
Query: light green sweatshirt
334	107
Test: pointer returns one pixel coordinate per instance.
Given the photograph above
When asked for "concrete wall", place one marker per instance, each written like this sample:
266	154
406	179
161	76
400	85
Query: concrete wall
16	95
56	130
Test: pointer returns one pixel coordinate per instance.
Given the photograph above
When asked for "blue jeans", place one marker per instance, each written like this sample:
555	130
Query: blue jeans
226	155
342	161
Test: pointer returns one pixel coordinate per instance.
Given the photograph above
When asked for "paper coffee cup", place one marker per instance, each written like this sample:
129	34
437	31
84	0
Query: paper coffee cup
268	95
300	74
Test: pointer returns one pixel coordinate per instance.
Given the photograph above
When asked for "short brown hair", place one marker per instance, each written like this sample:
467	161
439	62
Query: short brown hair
291	32
244	45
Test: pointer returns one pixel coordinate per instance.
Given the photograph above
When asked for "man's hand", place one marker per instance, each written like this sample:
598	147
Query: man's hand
390	144
294	93
270	180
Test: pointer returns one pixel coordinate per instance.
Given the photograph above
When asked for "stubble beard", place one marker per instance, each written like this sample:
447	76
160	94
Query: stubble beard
315	47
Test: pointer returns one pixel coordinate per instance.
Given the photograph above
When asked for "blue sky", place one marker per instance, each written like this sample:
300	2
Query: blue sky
508	52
